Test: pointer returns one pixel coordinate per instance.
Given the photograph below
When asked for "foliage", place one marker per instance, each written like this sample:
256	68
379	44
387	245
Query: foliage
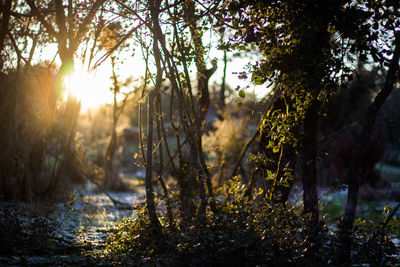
374	239
309	50
243	232
24	230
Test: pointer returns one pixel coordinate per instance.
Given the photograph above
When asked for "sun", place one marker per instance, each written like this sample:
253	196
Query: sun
91	89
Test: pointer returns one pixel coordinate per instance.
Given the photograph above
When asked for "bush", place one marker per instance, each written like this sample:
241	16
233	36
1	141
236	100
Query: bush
243	232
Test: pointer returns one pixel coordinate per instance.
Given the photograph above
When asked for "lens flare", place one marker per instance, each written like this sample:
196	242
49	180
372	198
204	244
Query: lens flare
91	90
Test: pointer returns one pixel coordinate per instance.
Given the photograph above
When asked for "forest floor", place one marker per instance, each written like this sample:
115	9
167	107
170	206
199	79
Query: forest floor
62	234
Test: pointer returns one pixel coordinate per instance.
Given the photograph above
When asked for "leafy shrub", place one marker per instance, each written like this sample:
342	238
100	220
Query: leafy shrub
243	232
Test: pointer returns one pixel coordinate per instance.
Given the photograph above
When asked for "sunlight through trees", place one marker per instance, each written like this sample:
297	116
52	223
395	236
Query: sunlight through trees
100	100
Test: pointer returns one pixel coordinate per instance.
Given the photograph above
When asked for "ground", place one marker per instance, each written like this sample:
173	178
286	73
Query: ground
63	233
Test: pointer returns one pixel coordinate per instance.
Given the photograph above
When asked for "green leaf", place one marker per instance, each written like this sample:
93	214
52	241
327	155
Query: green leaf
285	183
240	104
258	81
270	144
252	156
242	94
275	149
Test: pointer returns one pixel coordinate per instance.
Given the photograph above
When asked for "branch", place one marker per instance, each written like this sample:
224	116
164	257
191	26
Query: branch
40	17
380	231
270	103
83	26
4	23
91	179
108	53
17	50
71	23
243	153
60	19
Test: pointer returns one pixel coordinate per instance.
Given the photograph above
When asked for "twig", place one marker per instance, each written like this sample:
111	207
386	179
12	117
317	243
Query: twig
379	232
243	153
117	203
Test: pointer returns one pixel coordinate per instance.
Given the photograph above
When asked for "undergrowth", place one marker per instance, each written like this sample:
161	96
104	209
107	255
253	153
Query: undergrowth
243	232
25	231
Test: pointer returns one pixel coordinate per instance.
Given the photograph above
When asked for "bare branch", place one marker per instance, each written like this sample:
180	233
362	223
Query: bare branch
84	25
40	17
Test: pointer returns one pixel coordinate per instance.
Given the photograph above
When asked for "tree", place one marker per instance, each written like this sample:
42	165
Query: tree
5	18
295	40
203	74
385	15
310	48
27	26
71	30
68	30
171	26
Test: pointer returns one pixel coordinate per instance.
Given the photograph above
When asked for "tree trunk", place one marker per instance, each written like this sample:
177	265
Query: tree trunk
5	18
203	74
223	85
111	178
161	160
309	148
151	209
368	123
149	165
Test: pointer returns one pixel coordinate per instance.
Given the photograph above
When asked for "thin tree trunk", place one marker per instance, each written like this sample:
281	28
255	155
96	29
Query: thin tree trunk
111	180
243	153
34	44
151	209
368	123
5	18
289	161
203	74
190	121
149	166
161	161
223	89
309	148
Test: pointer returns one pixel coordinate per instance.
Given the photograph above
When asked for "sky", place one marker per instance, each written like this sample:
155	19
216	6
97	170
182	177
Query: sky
93	88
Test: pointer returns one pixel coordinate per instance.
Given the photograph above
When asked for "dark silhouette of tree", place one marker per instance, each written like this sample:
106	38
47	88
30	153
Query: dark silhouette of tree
305	45
310	48
295	40
203	74
69	32
5	18
68	29
353	171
